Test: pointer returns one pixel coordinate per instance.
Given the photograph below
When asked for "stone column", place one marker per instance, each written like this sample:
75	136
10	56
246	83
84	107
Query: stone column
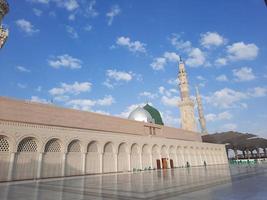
84	163
129	161
101	162
11	166
140	158
151	160
251	152
244	154
236	155
39	165
116	162
258	153
247	151
64	155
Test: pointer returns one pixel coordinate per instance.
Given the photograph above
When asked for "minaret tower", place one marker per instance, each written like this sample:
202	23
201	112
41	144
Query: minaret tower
186	104
201	118
4	8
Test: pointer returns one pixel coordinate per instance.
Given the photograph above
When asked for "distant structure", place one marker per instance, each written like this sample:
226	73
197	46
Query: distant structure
202	120
4	8
186	104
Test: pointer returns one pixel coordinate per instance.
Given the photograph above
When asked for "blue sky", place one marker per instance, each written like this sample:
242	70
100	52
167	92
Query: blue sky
110	56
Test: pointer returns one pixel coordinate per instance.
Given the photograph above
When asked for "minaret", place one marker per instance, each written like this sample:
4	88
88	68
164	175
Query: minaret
201	118
186	104
4	8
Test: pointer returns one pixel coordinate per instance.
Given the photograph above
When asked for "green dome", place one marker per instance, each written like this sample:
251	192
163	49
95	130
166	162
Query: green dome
154	113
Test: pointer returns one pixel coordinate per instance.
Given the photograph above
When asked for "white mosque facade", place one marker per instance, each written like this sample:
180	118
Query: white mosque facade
41	141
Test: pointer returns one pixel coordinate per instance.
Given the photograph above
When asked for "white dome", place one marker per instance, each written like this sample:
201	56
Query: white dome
140	114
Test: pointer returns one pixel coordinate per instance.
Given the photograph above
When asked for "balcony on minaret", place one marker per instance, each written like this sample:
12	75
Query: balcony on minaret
3	36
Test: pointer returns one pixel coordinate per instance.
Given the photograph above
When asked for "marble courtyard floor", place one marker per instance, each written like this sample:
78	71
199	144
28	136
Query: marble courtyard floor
211	183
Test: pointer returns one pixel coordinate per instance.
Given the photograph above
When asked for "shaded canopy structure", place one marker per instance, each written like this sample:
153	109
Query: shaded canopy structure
244	142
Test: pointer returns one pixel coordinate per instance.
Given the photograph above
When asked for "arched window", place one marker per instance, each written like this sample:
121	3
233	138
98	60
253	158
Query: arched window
92	147
28	144
4	145
108	148
135	149
122	148
74	146
53	145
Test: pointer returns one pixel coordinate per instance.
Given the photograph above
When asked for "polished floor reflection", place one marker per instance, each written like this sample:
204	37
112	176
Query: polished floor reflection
214	182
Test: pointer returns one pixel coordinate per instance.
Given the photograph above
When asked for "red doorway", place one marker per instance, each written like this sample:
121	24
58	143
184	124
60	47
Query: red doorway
158	164
164	163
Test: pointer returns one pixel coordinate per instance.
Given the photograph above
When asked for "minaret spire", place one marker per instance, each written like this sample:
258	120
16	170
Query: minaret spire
186	104
201	118
4	8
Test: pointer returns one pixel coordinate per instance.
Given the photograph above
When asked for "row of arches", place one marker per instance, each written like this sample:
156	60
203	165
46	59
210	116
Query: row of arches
76	158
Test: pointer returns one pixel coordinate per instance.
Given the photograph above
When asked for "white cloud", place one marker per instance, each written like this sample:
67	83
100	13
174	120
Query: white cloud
229	127
244	74
75	88
242	51
210	39
173	81
37	12
226	98
171	56
129	109
114	11
87	104
72	32
226	115
22	69
66	61
22	86
69	5
170	101
258	92
90	10
148	95
26	26
88	28
201	78
37	99
114	77
72	17
196	58
159	63
179	44
40	1
101	112
119	75
221	61
170	120
133	46
222	78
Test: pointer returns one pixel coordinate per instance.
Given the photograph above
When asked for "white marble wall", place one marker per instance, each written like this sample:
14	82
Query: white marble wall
77	152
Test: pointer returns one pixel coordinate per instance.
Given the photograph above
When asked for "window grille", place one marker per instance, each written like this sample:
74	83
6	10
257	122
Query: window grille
27	145
74	146
53	146
4	146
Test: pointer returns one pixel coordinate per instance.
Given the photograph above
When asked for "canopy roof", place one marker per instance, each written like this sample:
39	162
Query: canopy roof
236	140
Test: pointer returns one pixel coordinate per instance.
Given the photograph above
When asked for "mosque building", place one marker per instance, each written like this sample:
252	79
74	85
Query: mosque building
42	140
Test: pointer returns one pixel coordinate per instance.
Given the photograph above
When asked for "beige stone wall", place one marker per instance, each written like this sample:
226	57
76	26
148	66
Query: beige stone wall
43	114
39	151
